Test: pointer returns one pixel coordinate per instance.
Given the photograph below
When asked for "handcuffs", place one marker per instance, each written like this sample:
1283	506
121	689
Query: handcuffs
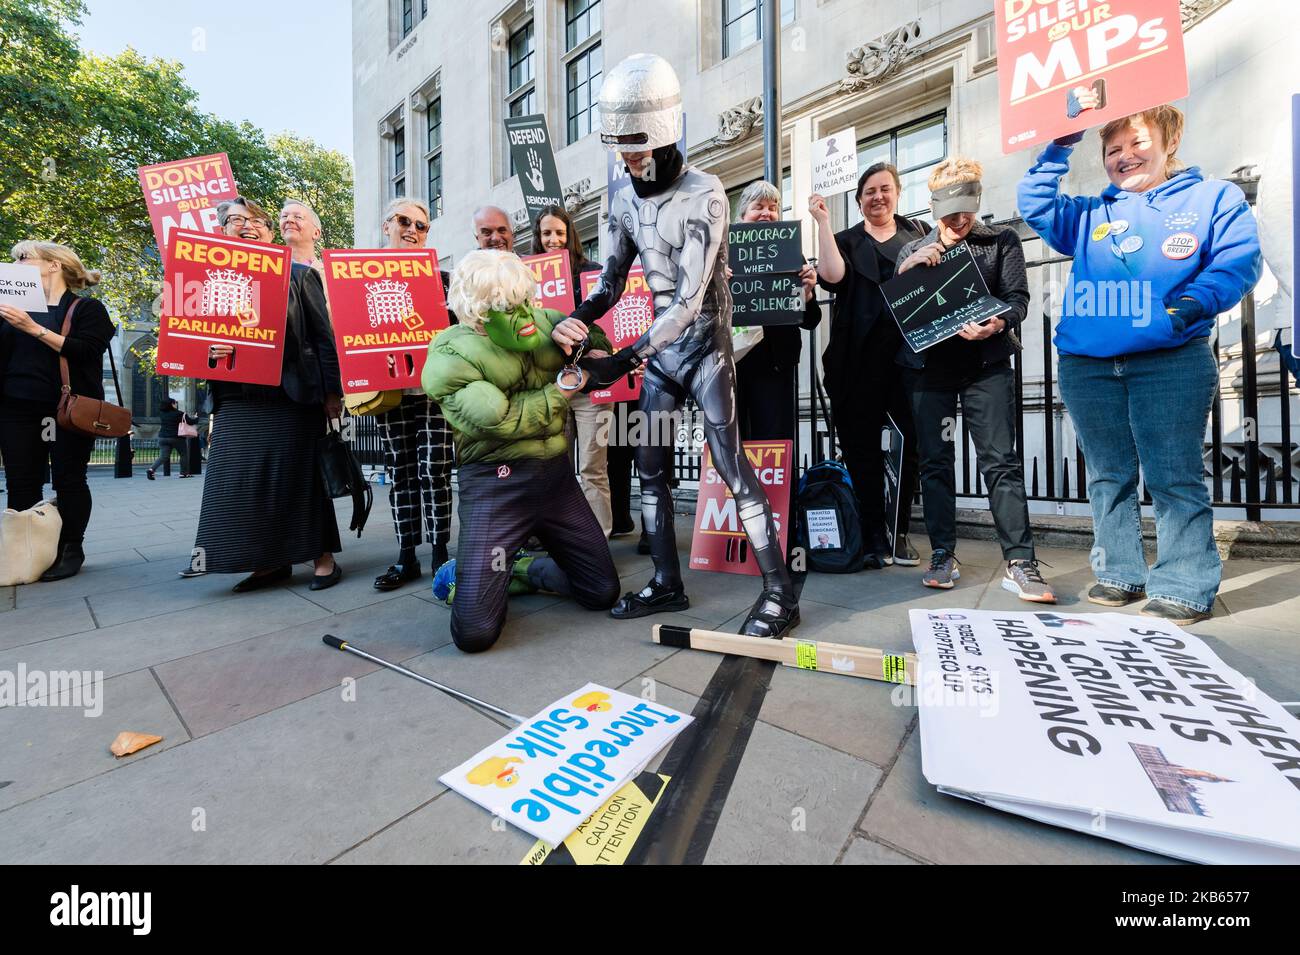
570	376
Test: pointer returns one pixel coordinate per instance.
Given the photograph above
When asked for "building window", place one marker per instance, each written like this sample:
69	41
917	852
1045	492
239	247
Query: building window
743	25
581	21
433	157
408	16
521	100
583	66
398	176
591	249
915	149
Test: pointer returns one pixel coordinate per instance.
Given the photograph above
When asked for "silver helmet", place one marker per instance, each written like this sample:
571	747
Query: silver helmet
641	104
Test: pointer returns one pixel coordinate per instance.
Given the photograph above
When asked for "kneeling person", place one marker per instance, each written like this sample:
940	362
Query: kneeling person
494	377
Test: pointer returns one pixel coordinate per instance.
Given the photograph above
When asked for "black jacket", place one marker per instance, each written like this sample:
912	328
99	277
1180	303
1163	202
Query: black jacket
1001	260
169	423
781	345
858	304
311	362
84	347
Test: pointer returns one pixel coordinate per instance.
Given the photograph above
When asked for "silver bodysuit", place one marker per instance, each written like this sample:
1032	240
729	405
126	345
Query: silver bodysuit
680	236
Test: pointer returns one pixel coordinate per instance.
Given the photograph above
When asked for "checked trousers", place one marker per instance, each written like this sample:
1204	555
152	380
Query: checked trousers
418	458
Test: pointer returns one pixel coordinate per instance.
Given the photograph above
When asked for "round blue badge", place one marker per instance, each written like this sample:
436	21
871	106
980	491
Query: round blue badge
1132	244
1119	227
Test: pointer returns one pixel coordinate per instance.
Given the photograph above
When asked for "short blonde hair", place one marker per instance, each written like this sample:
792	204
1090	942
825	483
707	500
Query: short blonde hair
953	170
489	280
75	275
390	210
1168	119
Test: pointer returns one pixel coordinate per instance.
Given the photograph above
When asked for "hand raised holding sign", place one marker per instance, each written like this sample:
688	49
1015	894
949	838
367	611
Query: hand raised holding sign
817	209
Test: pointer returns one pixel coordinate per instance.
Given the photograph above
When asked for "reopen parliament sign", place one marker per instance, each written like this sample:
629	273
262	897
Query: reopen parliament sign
1128	52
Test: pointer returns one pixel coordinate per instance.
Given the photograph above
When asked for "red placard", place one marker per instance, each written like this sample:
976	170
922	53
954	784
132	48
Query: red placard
1129	51
184	194
554	280
719	542
386	306
627	321
218	290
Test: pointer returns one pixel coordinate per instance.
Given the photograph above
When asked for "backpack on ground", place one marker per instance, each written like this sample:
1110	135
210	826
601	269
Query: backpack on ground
828	526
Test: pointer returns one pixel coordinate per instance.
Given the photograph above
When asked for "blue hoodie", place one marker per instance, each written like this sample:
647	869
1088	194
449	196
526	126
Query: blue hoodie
1138	253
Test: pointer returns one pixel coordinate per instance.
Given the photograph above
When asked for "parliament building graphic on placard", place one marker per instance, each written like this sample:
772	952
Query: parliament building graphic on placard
391	303
632	317
1175	784
226	293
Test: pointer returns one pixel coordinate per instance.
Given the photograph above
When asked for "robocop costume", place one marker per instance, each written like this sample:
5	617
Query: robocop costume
675	219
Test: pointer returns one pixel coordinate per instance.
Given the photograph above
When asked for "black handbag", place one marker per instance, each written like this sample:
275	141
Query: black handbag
341	474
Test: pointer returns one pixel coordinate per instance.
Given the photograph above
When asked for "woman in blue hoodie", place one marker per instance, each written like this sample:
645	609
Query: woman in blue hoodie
1157	256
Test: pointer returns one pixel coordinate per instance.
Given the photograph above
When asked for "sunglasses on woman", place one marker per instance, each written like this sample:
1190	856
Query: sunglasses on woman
406	223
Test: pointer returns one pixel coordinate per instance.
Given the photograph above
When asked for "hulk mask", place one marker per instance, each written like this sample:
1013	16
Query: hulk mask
515	330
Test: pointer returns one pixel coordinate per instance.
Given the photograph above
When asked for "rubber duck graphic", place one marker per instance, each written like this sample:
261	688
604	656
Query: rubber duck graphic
593	702
495	771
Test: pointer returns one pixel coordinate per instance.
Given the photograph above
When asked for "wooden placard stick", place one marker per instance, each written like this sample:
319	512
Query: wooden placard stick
865	662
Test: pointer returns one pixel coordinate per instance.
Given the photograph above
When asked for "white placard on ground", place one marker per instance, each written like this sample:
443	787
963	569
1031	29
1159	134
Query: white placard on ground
20	286
1120	726
835	163
550	773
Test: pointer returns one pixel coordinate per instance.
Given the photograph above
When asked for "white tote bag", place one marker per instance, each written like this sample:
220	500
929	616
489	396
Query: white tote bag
29	543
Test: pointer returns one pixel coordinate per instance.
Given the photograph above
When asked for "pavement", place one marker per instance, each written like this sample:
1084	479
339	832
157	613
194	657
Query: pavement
278	750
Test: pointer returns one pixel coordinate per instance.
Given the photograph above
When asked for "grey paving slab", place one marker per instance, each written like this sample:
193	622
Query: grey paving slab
449	830
894	589
176	554
866	852
143	643
910	813
222	686
48	747
300	784
96	579
31	625
169	595
1262	594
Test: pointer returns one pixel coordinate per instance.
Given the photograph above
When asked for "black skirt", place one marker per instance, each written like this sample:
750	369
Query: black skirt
264	505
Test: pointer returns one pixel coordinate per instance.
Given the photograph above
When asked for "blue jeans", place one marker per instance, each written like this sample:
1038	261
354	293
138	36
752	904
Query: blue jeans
1151	409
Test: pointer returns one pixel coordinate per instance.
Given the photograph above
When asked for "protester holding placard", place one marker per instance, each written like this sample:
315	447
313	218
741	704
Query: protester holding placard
975	366
264	504
31	345
863	380
417	441
1157	256
765	377
555	231
495	377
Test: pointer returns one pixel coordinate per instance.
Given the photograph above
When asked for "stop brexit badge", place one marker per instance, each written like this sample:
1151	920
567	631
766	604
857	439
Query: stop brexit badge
387	305
223	291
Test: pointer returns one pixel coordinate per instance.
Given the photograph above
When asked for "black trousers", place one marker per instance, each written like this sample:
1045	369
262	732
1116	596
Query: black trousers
860	409
988	408
500	507
165	448
765	402
24	426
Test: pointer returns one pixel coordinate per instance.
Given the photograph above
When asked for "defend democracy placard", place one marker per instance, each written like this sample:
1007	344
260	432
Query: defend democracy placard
765	258
628	320
386	305
932	302
719	542
185	194
530	148
1120	726
218	290
1129	52
20	286
554	280
554	770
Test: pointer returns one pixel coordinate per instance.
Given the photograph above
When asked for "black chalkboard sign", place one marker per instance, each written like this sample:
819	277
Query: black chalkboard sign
765	259
932	302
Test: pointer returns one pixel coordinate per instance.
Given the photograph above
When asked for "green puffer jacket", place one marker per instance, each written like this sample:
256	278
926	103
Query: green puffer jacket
503	405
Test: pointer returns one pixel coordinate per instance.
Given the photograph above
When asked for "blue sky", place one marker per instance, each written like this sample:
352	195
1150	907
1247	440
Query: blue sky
280	64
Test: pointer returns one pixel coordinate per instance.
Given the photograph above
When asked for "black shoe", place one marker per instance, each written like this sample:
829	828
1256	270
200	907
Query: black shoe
440	556
1175	613
399	574
905	554
70	560
653	598
774	613
187	475
148	472
258	581
643	545
622	527
1109	596
326	581
879	553
191	572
